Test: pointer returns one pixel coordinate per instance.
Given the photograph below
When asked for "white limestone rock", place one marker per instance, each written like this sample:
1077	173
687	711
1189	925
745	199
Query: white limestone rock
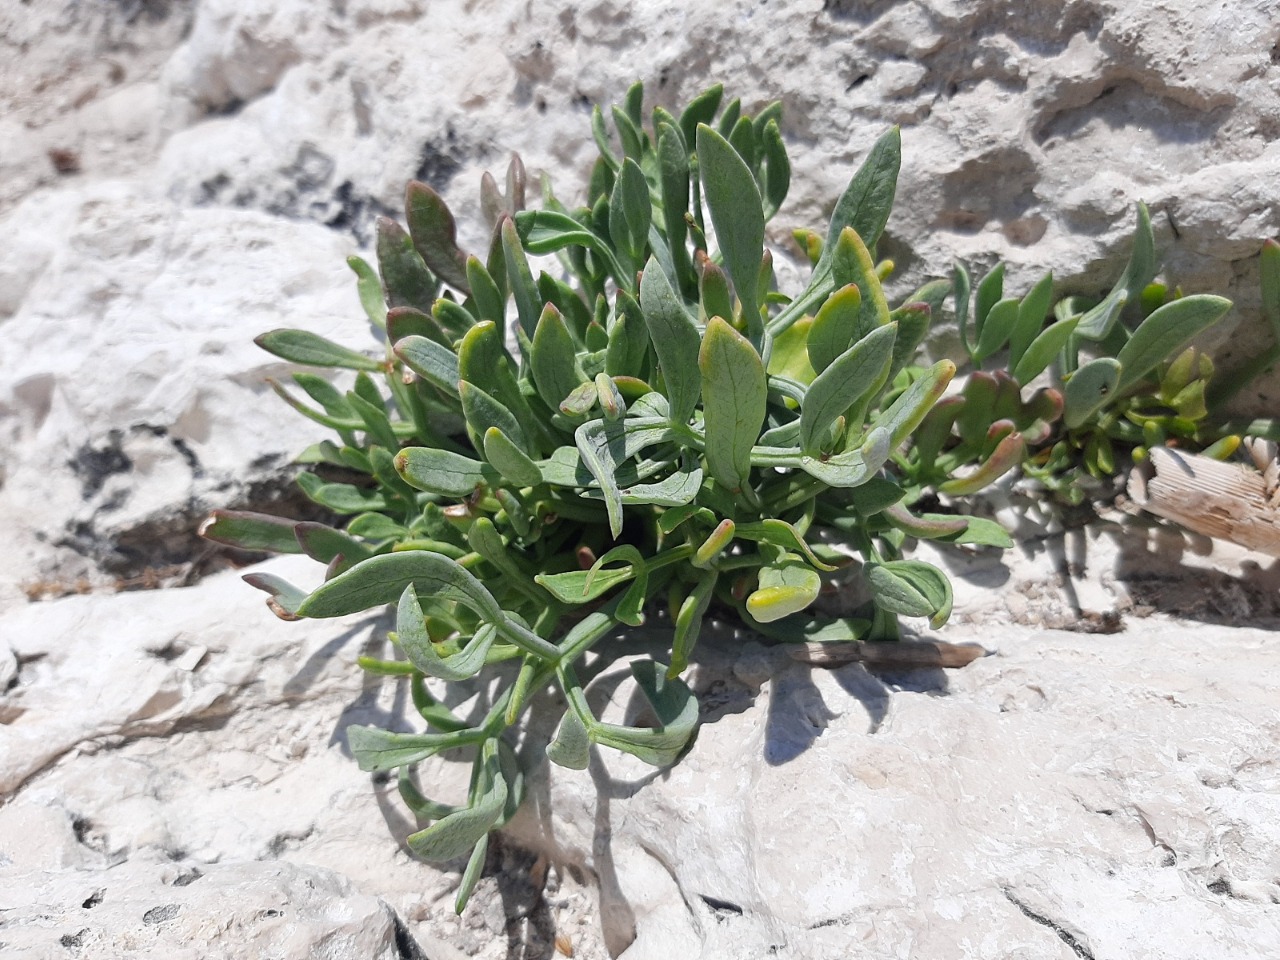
130	386
220	159
176	911
190	727
1068	793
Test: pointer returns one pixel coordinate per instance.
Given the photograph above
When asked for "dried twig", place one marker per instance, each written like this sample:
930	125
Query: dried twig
889	653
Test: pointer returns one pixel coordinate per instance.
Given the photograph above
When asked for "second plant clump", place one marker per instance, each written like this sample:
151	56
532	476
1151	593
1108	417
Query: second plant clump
671	427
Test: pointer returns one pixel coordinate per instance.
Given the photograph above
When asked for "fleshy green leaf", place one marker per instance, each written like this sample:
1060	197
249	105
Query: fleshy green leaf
777	178
415	641
1090	389
378	749
911	588
604	445
577	586
1096	324
483	411
867	201
864	206
435	235
701	109
848	382
676	489
571	747
369	289
852	263
322	542
509	460
904	414
736	212
781	534
436	364
1164	333
383	579
340	497
406	278
519	278
471	875
375	526
786	587
689	622
831	333
251	531
853	467
1031	313
1000	322
734	394
675	709
488	296
285	597
456	834
630	210
410	321
1043	349
990	290
675	338
376	424
1009	452
913	325
443	472
301	346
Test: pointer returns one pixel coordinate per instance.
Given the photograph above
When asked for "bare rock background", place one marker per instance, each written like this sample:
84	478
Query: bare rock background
177	177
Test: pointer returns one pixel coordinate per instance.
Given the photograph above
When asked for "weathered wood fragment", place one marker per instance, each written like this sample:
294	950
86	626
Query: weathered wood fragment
1228	501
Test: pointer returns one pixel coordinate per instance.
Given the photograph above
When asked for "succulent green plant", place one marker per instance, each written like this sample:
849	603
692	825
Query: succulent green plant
661	426
1113	387
669	426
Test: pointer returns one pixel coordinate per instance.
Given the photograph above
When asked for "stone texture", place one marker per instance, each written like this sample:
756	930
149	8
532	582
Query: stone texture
151	735
1067	795
178	912
179	176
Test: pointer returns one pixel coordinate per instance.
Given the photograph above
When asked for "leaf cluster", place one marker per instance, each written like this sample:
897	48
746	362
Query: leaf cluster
660	428
1118	378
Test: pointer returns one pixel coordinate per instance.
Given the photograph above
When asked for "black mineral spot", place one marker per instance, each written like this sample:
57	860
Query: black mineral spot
93	899
439	161
94	464
161	914
73	940
188	878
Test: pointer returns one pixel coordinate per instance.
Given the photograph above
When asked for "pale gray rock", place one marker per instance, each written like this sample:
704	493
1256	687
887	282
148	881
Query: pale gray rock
1069	795
178	177
131	389
185	730
175	911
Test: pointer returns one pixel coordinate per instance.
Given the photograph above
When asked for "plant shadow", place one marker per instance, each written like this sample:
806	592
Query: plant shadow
1091	577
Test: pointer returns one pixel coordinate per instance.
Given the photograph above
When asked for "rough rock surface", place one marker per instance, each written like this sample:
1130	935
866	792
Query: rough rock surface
177	729
1096	796
179	176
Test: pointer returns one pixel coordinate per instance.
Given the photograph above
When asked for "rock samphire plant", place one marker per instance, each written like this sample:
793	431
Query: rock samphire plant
660	427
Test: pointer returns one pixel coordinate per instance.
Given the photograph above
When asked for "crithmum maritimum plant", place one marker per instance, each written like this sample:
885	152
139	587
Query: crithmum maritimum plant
668	429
